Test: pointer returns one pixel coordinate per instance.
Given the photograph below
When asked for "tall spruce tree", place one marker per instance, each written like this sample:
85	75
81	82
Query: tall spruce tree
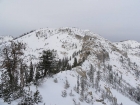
12	56
75	62
37	76
98	79
78	84
31	72
91	75
83	83
47	63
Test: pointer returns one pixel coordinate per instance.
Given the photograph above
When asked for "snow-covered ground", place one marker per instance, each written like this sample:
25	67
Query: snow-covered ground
51	92
66	41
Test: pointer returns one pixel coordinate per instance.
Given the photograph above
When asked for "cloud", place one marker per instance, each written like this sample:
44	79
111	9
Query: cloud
113	19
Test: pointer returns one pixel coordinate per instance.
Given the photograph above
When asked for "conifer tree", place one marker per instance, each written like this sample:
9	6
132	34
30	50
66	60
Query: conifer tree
23	77
59	65
91	75
37	77
47	63
75	62
12	56
70	58
31	72
37	97
78	84
98	79
67	85
83	83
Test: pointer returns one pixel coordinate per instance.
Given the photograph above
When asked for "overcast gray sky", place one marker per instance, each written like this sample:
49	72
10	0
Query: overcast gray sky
113	19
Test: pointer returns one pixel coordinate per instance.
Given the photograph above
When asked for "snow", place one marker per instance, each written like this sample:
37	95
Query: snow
122	99
51	91
4	39
65	42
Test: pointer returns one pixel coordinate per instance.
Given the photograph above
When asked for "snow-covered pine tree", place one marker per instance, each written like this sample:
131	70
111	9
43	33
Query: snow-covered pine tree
67	85
31	72
12	56
22	73
37	97
64	93
78	84
98	79
83	83
30	98
91	75
75	62
37	77
47	63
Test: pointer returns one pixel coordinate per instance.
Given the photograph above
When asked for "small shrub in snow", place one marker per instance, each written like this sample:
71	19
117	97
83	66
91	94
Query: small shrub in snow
31	99
71	94
92	102
81	98
64	93
75	89
37	97
67	85
78	84
55	80
121	104
75	103
74	100
79	103
88	100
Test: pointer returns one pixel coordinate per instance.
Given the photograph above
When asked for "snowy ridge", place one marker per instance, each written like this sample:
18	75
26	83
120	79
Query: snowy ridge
4	39
129	44
123	57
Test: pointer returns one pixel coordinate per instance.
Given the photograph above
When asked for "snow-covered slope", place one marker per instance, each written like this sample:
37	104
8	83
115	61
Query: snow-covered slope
130	46
4	39
122	57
